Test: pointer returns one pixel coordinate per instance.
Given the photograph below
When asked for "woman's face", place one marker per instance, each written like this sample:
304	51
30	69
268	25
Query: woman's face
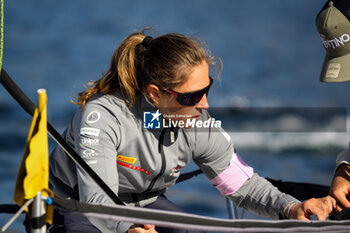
171	109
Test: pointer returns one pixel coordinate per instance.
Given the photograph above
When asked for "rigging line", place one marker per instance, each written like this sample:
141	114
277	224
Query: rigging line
14	217
29	107
187	221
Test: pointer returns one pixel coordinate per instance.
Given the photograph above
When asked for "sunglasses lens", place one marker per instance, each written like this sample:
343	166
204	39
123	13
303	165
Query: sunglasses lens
192	99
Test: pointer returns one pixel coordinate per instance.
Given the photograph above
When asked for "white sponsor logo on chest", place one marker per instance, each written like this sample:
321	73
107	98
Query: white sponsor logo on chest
89	153
89	141
89	131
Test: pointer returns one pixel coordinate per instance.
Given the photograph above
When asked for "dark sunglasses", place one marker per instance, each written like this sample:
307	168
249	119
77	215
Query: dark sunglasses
190	98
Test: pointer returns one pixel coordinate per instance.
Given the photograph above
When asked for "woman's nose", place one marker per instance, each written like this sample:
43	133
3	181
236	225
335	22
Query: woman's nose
203	104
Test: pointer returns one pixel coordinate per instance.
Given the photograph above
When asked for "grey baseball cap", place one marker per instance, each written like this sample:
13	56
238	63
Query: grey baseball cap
334	30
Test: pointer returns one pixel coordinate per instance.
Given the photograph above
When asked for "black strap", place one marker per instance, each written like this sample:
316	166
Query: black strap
38	222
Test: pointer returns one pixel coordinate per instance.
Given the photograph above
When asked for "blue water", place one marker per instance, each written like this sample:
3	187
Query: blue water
272	57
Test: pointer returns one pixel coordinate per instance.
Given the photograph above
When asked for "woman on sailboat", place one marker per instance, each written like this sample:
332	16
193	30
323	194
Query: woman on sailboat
142	122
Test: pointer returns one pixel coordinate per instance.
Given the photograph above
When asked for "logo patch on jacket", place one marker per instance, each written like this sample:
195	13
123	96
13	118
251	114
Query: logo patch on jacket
89	141
89	131
93	117
126	159
89	153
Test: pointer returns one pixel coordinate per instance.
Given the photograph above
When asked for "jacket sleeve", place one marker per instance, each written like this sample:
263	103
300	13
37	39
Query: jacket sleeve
261	197
234	178
96	140
343	157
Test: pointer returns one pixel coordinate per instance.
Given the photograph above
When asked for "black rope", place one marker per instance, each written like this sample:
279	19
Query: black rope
9	208
302	191
188	175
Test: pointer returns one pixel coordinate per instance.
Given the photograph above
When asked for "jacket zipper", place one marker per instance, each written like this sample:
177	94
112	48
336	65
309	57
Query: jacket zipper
161	152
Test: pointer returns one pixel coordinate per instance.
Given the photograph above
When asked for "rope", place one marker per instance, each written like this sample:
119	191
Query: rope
9	208
196	222
29	107
14	217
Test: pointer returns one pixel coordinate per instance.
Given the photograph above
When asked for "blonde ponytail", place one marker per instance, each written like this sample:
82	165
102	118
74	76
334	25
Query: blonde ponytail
122	73
126	60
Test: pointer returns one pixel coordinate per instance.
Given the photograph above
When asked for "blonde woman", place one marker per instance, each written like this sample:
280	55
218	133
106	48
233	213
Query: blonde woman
166	75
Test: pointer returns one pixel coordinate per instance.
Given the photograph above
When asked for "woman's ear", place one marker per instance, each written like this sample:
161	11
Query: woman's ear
154	92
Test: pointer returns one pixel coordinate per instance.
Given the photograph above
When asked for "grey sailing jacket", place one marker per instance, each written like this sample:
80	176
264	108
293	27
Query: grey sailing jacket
140	164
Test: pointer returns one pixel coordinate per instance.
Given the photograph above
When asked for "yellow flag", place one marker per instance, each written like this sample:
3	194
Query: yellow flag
33	174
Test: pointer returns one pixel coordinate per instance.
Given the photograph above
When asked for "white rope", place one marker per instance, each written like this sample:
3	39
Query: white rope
14	217
238	228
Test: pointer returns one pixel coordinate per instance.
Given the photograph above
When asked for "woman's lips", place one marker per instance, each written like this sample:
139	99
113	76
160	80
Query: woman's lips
196	117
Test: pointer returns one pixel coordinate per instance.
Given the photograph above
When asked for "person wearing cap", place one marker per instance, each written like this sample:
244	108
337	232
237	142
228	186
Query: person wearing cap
117	131
333	25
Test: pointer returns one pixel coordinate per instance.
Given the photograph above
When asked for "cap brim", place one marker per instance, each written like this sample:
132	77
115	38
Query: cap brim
336	69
